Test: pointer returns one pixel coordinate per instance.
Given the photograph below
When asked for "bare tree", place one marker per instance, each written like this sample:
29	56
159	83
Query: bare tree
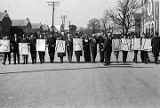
107	23
123	16
94	25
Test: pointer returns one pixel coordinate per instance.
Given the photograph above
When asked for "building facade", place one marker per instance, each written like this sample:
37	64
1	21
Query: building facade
150	16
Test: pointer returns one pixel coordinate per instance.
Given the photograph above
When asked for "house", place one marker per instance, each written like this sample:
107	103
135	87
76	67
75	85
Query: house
5	24
36	27
24	25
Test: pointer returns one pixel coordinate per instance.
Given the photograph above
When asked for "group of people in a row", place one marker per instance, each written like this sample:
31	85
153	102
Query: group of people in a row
89	48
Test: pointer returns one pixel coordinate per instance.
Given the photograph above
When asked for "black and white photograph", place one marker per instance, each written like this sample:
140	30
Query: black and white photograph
79	53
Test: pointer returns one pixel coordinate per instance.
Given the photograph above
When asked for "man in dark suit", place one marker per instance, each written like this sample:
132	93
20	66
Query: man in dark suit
107	49
155	43
33	48
15	48
51	47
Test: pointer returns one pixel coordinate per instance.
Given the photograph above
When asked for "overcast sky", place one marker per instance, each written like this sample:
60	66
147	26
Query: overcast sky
77	11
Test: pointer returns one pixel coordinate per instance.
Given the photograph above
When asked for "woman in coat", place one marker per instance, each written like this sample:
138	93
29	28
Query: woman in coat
86	49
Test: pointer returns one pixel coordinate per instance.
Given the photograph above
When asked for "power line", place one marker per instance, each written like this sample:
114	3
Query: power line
53	4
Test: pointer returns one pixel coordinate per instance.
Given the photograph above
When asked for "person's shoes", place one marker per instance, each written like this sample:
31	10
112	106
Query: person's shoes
3	63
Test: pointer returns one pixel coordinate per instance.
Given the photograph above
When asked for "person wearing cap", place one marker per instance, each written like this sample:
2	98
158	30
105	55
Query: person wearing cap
93	45
155	43
107	49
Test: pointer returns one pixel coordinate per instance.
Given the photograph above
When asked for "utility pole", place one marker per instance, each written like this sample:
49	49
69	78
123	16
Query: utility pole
53	3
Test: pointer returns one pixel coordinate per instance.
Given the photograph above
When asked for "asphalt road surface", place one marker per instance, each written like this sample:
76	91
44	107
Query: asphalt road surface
80	85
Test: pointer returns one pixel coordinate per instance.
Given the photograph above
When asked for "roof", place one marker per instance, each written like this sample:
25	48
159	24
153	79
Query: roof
20	22
2	15
36	25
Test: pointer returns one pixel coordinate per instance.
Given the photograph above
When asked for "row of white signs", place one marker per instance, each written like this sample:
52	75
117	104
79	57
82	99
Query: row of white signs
117	45
41	46
131	44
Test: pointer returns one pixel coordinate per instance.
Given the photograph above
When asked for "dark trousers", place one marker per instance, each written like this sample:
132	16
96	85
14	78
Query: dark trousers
25	59
70	53
116	53
156	57
41	57
61	59
125	53
94	54
78	59
16	56
7	54
51	55
34	56
107	57
135	56
101	56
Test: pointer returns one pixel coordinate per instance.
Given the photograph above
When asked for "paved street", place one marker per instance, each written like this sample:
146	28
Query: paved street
83	85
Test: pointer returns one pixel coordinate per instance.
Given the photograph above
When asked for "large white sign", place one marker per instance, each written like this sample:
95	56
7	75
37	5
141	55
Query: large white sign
41	45
146	45
60	46
136	44
116	45
77	44
24	48
4	45
126	44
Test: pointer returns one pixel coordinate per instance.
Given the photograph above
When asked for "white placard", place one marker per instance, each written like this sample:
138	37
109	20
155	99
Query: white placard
41	45
77	44
126	44
116	45
23	48
136	44
4	45
60	46
146	45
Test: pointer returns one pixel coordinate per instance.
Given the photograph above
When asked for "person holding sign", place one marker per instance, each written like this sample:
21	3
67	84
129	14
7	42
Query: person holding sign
125	47
60	47
41	45
77	42
25	54
155	43
136	47
116	46
7	50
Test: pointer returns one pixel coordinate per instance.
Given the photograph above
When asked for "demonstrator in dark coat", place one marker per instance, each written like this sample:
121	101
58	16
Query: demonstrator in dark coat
107	49
155	43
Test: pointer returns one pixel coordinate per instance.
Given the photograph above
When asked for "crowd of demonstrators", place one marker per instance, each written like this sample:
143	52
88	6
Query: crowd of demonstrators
88	50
